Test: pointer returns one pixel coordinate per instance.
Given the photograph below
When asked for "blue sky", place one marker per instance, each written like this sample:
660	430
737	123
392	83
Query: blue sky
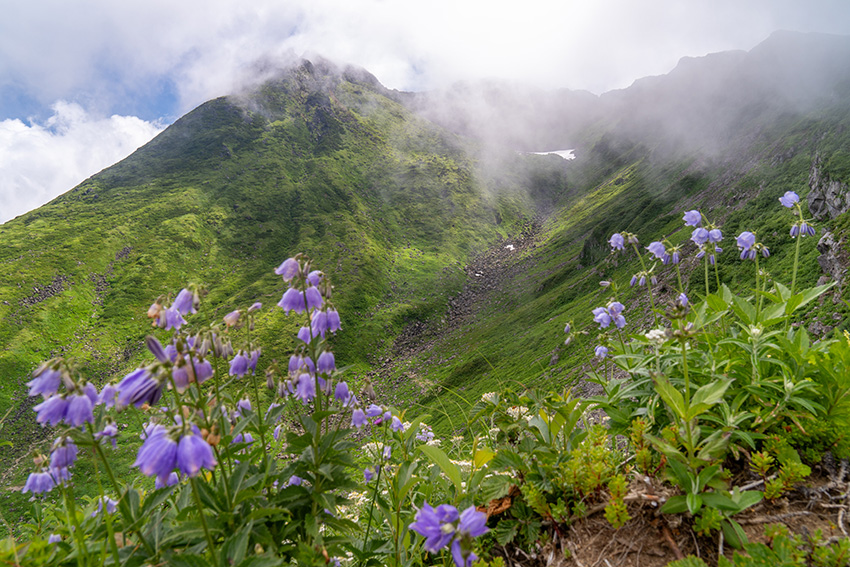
84	83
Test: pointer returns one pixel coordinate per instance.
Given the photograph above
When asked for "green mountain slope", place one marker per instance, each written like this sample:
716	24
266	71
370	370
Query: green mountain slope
318	160
412	224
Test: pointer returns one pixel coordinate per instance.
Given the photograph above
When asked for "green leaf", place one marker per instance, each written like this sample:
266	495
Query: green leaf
671	396
495	487
482	457
749	498
236	546
734	533
675	505
505	531
744	310
694	502
442	460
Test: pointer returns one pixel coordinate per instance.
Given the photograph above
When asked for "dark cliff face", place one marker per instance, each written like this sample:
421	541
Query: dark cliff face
828	197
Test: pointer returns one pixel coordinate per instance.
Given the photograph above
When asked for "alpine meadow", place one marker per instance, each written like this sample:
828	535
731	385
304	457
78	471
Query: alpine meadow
323	322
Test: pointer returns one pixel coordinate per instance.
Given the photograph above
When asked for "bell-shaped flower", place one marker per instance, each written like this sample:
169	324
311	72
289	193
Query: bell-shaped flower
158	454
700	236
64	453
193	454
184	303
292	300
306	389
789	199
51	411
358	418
326	362
163	482
692	218
239	364
601	351
436	525
289	269
138	388
617	241
46	380
79	410
39	482
314	298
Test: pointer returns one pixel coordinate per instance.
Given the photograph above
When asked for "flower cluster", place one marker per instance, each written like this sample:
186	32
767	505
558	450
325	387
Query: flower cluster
166	449
613	312
444	525
706	237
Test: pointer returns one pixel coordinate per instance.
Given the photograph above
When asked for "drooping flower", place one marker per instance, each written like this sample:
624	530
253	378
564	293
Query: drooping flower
54	538
46	380
193	454
138	388
39	482
700	236
374	410
79	410
170	480
239	364
173	319
289	269
64	453
342	393
692	218
358	418
601	316
294	480
292	300
368	474
715	235
746	242
306	388
601	351
326	362
315	277
397	425
184	303
683	300
111	506
789	199
333	320
658	250
51	411
314	297
232	318
158	454
617	241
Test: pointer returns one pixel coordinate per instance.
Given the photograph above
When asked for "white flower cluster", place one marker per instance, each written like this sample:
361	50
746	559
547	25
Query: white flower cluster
656	336
517	412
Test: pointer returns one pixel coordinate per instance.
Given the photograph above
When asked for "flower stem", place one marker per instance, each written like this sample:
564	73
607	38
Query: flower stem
200	506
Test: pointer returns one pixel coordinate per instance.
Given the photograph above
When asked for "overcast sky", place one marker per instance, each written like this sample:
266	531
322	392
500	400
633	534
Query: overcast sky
84	83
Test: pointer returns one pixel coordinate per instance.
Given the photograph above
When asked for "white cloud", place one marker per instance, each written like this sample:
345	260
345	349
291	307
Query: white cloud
41	161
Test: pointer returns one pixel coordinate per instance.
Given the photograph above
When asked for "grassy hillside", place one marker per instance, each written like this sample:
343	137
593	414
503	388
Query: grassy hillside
411	222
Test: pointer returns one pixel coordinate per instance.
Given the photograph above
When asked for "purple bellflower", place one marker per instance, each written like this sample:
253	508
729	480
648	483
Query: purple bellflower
601	351
46	380
358	418
39	482
138	388
692	218
193	454
158	454
289	269
789	199
617	241
51	411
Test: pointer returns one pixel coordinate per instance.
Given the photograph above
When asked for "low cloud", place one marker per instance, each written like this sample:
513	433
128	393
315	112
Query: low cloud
40	161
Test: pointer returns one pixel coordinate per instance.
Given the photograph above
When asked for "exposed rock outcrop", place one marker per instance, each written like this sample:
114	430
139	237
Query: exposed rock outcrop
833	258
828	197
